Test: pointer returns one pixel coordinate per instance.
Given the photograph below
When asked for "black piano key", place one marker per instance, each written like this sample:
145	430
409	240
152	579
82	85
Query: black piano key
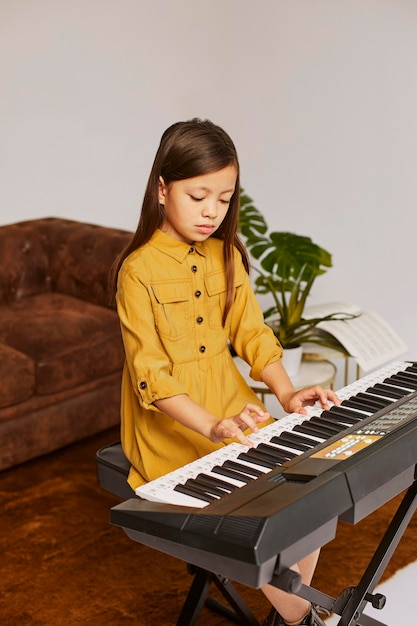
405	380
290	454
317	430
393	392
262	453
394	380
245	469
252	455
381	393
335	425
230	473
286	440
194	493
210	490
299	439
407	374
215	482
352	403
343	411
267	451
403	374
341	418
278	453
412	369
377	402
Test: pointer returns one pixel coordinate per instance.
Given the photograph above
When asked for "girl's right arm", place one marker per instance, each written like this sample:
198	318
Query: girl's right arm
184	410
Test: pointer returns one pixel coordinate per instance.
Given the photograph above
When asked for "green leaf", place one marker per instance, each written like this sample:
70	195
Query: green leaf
288	267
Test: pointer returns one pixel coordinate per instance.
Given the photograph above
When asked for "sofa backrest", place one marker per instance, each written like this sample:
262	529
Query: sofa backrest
55	254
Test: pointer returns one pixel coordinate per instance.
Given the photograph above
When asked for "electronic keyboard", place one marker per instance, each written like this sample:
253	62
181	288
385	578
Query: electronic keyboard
249	514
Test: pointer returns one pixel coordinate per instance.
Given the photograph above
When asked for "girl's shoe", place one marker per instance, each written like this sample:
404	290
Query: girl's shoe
312	619
273	619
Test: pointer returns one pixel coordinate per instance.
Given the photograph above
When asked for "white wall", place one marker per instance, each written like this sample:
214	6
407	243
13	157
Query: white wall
320	97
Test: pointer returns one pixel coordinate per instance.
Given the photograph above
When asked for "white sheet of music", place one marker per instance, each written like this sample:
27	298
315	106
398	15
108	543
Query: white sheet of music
369	339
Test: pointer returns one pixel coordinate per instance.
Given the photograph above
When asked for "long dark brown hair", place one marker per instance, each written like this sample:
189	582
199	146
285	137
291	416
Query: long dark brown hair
189	149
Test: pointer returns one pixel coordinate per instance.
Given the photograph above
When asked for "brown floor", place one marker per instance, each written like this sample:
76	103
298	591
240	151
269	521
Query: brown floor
62	563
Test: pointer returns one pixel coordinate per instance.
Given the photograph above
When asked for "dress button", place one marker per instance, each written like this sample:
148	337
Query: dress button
194	268
202	348
191	250
197	294
199	320
143	385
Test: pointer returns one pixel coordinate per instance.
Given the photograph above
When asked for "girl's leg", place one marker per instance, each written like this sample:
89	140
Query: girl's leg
291	607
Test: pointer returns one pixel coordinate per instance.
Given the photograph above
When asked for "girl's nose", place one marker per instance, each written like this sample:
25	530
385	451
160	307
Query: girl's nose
210	209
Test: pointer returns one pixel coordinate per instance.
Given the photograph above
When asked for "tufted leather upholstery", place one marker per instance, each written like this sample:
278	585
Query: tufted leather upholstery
61	352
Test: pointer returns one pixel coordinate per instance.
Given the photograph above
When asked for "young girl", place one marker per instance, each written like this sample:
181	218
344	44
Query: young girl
183	292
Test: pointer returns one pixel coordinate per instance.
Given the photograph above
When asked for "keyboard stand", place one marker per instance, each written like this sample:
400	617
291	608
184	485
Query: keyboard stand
352	601
238	611
112	472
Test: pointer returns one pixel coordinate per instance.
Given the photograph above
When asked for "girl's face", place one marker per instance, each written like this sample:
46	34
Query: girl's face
195	207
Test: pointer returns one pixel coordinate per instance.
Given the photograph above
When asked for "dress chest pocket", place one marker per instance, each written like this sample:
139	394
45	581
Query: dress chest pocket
216	291
171	302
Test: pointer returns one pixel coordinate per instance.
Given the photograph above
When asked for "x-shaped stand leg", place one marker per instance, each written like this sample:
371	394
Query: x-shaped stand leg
238	612
352	601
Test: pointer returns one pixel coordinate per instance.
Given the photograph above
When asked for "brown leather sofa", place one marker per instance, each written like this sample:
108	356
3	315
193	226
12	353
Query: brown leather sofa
61	352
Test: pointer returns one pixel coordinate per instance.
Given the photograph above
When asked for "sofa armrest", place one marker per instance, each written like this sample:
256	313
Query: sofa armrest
24	261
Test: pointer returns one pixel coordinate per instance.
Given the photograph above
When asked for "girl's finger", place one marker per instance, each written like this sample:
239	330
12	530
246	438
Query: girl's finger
244	440
254	408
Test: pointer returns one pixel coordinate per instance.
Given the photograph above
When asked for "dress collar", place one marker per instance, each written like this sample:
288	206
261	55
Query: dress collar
178	250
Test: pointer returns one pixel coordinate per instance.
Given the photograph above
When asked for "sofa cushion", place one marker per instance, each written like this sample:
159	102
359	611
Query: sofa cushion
71	341
17	374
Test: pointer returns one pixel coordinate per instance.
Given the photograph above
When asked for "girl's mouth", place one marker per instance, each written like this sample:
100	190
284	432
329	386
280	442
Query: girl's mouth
205	228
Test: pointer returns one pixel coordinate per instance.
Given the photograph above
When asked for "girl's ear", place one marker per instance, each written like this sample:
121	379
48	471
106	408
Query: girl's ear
161	190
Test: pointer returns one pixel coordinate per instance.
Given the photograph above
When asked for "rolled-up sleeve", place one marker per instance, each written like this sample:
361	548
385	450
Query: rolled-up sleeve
149	367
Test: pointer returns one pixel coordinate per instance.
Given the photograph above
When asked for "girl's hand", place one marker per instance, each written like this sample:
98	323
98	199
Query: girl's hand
233	427
296	401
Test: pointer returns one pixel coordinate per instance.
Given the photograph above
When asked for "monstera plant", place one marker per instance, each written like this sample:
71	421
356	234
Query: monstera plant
287	267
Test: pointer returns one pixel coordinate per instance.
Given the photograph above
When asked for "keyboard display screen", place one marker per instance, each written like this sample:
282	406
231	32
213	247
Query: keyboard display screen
352	443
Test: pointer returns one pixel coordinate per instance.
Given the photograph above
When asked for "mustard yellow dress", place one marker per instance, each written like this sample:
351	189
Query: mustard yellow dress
170	300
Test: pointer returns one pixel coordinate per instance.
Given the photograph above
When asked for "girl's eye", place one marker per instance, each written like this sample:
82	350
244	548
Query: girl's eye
196	199
227	202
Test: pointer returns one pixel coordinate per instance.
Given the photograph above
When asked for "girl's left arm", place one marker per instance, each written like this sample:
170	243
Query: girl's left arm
292	401
255	342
